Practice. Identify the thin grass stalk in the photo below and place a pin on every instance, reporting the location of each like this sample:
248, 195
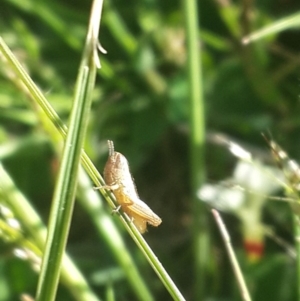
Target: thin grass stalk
65, 190
197, 141
296, 221
285, 23
234, 263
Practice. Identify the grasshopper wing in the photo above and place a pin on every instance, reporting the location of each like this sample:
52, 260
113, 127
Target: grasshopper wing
141, 210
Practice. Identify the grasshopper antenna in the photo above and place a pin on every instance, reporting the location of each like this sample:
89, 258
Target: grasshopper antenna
111, 148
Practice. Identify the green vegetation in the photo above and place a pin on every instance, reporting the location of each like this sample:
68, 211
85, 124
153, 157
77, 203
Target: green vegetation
174, 78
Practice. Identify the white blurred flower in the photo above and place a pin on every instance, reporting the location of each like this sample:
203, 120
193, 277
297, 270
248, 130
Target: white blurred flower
221, 197
255, 182
251, 182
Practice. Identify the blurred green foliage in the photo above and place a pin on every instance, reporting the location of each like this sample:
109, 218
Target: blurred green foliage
140, 103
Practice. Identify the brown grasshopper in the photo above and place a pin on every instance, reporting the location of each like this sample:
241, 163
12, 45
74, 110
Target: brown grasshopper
118, 179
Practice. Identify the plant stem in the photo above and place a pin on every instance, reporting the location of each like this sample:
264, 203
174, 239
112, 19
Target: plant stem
235, 265
197, 140
297, 244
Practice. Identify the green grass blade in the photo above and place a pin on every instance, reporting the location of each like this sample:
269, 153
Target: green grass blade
65, 190
292, 21
197, 141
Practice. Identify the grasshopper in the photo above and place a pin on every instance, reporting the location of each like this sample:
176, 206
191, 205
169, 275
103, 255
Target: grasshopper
118, 179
